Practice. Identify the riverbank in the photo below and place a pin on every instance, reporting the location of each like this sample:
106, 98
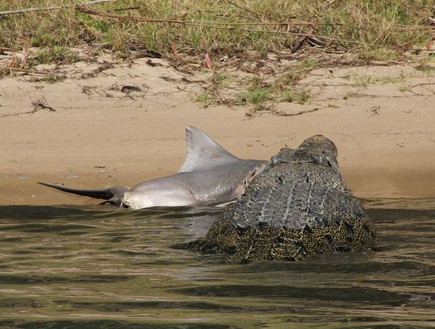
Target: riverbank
107, 123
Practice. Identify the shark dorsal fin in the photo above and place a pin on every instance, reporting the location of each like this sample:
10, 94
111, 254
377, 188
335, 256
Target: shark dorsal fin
203, 152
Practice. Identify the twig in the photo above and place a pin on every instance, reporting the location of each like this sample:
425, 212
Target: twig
6, 49
375, 110
28, 10
41, 104
37, 105
28, 71
284, 114
244, 8
128, 8
421, 85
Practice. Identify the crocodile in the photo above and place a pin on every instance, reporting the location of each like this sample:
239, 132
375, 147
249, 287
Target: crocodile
299, 206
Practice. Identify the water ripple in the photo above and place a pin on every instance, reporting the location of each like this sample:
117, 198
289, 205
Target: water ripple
64, 267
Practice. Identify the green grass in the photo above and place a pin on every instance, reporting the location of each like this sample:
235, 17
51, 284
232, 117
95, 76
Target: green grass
426, 68
255, 96
223, 79
242, 31
255, 93
365, 79
362, 79
403, 89
309, 63
203, 97
370, 29
299, 96
58, 54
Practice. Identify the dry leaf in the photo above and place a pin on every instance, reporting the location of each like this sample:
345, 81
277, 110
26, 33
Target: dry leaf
207, 61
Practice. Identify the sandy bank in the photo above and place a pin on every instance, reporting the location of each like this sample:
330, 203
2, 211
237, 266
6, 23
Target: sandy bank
102, 134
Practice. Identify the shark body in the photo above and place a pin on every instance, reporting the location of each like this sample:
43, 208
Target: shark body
210, 175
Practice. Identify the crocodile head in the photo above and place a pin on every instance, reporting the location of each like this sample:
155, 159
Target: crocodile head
317, 149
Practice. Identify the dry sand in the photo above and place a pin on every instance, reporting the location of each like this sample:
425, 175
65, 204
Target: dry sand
382, 120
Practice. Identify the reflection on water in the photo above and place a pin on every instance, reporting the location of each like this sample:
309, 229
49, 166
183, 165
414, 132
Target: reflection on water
66, 267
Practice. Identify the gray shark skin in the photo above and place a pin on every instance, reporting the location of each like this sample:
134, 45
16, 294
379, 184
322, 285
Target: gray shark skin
298, 206
210, 175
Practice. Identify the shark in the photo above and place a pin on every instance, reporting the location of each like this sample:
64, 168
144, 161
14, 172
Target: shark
210, 175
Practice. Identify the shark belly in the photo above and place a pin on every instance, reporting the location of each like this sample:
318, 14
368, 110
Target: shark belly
161, 192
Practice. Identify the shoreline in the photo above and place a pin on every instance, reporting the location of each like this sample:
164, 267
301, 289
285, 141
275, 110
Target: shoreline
99, 136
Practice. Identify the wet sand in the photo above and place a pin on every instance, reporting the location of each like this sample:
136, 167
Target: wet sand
100, 132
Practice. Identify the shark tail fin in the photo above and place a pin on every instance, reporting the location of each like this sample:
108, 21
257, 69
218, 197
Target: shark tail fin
113, 194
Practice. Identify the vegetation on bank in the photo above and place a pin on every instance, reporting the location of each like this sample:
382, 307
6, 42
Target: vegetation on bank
370, 28
367, 29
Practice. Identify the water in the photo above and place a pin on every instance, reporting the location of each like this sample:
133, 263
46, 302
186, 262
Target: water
69, 267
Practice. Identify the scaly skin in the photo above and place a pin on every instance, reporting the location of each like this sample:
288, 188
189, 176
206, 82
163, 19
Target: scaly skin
297, 207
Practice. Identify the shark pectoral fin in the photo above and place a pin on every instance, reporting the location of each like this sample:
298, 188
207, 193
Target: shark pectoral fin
118, 195
115, 201
114, 192
135, 200
249, 177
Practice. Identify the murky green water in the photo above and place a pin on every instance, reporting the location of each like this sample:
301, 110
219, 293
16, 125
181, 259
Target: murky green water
64, 267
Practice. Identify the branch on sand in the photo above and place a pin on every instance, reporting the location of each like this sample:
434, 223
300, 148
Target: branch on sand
38, 104
425, 86
284, 114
